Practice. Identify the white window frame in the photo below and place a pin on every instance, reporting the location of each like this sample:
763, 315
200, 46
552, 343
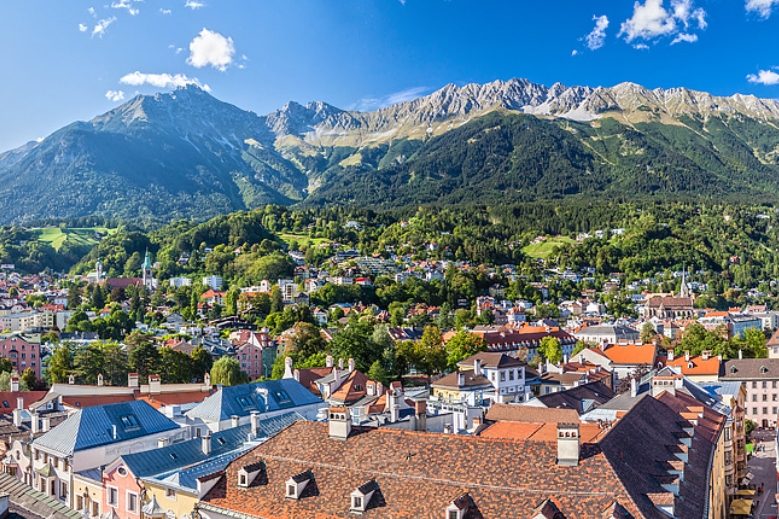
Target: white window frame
170, 494
129, 500
108, 489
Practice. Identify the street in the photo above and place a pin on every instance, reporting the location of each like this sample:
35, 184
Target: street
763, 466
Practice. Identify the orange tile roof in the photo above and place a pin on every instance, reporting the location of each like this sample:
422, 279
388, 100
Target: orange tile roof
631, 353
544, 432
709, 366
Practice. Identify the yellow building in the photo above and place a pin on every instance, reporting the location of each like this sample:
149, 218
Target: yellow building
173, 499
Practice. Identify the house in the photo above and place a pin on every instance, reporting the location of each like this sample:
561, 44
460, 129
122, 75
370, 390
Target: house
582, 398
213, 297
506, 374
22, 354
607, 334
621, 359
698, 368
525, 339
669, 307
213, 282
270, 398
772, 345
335, 470
760, 378
89, 438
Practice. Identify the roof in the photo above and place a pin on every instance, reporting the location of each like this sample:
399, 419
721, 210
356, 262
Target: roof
242, 400
31, 503
774, 340
747, 369
546, 432
607, 330
93, 426
503, 478
580, 398
696, 365
470, 381
631, 354
524, 413
351, 390
164, 399
670, 302
493, 360
8, 399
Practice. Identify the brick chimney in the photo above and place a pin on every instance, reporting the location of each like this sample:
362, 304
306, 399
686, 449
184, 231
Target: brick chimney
133, 380
568, 444
420, 410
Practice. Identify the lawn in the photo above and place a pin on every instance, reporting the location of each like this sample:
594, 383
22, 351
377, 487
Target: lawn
302, 239
544, 248
57, 237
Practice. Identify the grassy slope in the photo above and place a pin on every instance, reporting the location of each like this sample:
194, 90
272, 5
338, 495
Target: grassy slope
57, 237
544, 249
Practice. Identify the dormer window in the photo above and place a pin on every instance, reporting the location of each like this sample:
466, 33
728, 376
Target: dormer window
297, 483
361, 497
733, 369
244, 402
249, 473
763, 369
459, 507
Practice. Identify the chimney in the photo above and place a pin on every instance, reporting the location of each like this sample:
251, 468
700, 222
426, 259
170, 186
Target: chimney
687, 356
340, 363
339, 422
565, 359
155, 384
633, 387
568, 444
740, 355
393, 403
132, 380
329, 361
336, 379
207, 379
379, 389
255, 421
71, 380
99, 380
351, 365
205, 443
476, 367
162, 442
36, 425
114, 432
288, 372
420, 410
370, 388
234, 421
670, 355
45, 423
447, 428
705, 355
460, 378
14, 384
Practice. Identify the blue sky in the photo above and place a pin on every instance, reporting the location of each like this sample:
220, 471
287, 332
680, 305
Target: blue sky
63, 61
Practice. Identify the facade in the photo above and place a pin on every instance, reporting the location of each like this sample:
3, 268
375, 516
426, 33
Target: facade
22, 354
483, 378
608, 334
250, 358
669, 307
213, 282
760, 378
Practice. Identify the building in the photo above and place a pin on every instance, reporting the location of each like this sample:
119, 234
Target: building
607, 334
698, 368
484, 378
526, 339
179, 282
623, 360
269, 399
215, 283
333, 470
582, 399
668, 307
760, 378
22, 354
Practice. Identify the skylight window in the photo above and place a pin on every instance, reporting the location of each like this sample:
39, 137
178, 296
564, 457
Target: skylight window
282, 397
245, 402
129, 421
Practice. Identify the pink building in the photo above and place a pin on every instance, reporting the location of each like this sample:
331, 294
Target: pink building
250, 357
760, 378
22, 354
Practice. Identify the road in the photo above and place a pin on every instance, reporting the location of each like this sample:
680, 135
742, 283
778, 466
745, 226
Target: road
763, 466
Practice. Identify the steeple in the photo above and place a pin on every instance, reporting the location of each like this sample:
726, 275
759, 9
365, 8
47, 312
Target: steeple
148, 279
147, 260
99, 270
684, 291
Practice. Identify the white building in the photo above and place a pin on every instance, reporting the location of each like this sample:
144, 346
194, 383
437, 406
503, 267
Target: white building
213, 282
179, 282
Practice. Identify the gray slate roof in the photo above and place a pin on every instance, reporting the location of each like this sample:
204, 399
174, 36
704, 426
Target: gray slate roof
242, 400
93, 426
748, 369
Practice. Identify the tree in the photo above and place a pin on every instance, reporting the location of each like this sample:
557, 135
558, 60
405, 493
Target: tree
378, 373
32, 382
74, 296
5, 381
276, 300
430, 352
227, 372
648, 333
202, 362
580, 346
461, 346
59, 365
145, 360
749, 426
177, 367
550, 349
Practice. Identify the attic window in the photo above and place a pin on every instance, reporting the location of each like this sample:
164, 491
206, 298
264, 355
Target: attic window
242, 480
129, 421
173, 456
5, 403
690, 365
282, 397
733, 369
245, 402
763, 369
221, 440
291, 491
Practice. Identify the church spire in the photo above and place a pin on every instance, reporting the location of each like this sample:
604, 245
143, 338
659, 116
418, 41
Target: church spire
684, 291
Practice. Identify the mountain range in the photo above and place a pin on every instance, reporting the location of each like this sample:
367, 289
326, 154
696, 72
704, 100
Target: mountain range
185, 154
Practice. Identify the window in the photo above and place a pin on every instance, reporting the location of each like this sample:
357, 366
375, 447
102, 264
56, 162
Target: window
502, 376
729, 480
63, 490
291, 490
727, 433
453, 514
754, 384
132, 502
754, 410
511, 374
773, 384
773, 410
765, 384
356, 502
122, 471
113, 496
754, 398
728, 457
245, 402
765, 397
129, 421
242, 480
775, 397
170, 493
765, 410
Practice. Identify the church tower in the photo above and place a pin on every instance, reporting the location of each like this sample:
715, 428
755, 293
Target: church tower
148, 279
99, 271
684, 291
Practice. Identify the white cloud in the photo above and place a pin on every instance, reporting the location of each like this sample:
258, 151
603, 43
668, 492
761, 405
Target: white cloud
102, 25
574, 52
165, 11
641, 46
125, 4
193, 4
762, 7
114, 95
161, 80
211, 48
374, 103
764, 77
597, 36
651, 20
91, 11
689, 38
82, 27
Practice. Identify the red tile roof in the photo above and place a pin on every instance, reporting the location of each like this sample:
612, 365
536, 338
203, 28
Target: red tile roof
631, 353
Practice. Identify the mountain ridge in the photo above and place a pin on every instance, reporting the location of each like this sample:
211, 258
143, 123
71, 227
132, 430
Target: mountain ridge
186, 154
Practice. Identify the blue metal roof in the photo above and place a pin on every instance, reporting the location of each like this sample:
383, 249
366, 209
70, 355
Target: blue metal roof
94, 426
242, 400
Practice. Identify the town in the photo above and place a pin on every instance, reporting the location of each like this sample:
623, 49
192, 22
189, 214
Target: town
180, 396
